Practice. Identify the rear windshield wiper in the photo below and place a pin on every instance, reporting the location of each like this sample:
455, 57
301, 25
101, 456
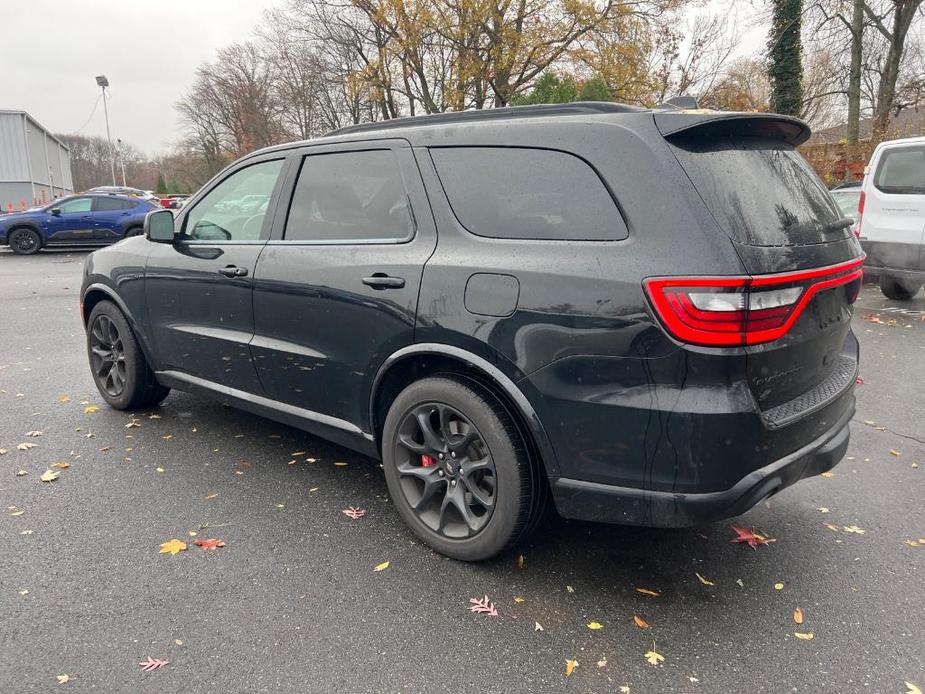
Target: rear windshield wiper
837, 225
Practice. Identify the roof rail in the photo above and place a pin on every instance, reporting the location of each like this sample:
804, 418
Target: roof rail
570, 109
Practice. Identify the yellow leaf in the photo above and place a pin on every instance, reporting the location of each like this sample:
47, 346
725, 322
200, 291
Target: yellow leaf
518, 599
63, 679
49, 476
296, 454
624, 690
340, 463
3, 451
26, 446
594, 626
798, 616
602, 662
654, 658
17, 513
646, 591
179, 642
381, 567
520, 561
822, 509
173, 546
90, 409
570, 666
807, 636
828, 474
211, 496
192, 533
912, 689
704, 581
894, 452
832, 527
61, 465
314, 489
570, 589
640, 622
22, 473
779, 585
64, 398
159, 469
854, 529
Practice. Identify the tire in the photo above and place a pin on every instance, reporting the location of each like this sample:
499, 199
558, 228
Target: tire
119, 368
133, 231
899, 289
24, 241
428, 492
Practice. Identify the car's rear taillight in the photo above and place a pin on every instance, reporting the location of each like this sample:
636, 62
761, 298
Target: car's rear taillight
746, 310
857, 224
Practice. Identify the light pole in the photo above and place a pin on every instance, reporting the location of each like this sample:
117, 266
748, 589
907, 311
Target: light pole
103, 83
121, 161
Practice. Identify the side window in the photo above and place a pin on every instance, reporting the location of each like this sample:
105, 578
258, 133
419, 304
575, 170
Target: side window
76, 205
902, 171
234, 209
349, 196
525, 193
110, 205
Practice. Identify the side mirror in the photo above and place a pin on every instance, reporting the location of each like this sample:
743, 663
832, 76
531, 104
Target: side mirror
159, 226
56, 211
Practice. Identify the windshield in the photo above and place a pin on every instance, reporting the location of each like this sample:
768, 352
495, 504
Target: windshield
761, 192
902, 171
847, 201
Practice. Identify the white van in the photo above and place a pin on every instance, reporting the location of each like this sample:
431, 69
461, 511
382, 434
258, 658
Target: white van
891, 217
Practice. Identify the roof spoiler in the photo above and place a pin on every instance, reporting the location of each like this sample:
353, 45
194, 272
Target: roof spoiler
707, 123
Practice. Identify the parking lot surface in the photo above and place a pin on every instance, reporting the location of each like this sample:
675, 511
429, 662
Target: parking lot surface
292, 601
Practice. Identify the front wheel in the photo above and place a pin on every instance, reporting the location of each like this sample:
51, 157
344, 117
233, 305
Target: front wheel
118, 365
458, 469
24, 241
897, 288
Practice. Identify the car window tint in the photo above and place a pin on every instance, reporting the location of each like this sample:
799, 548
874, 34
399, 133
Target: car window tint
75, 205
902, 171
349, 196
847, 201
111, 204
234, 209
523, 193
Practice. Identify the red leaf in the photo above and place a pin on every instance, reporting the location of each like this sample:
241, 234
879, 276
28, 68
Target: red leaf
483, 606
211, 543
354, 512
859, 380
750, 537
152, 664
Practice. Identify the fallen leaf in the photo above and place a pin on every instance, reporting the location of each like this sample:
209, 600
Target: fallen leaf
26, 532
832, 527
167, 437
828, 475
90, 409
624, 690
354, 512
105, 448
24, 591
179, 642
518, 599
292, 462
340, 463
192, 533
570, 589
17, 513
296, 454
64, 398
3, 451
537, 626
854, 529
779, 585
654, 658
133, 424
314, 489
798, 616
211, 543
26, 446
750, 537
61, 465
49, 476
381, 567
594, 626
703, 580
822, 509
152, 664
159, 469
570, 666
640, 622
602, 662
63, 679
211, 496
911, 688
173, 546
739, 581
21, 473
33, 434
280, 505
520, 561
646, 591
804, 636
483, 606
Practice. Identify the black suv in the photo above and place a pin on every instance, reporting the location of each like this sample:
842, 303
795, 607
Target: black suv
645, 313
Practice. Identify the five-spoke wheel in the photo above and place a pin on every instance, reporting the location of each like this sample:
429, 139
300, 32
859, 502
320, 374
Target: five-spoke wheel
107, 355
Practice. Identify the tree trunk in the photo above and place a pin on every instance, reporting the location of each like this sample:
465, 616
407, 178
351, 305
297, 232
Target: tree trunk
854, 73
903, 14
785, 61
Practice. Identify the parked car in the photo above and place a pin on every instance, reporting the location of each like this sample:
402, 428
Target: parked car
847, 196
645, 313
125, 190
891, 218
82, 220
173, 202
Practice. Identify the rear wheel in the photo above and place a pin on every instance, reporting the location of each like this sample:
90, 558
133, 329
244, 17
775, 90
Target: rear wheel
119, 368
133, 231
24, 241
898, 288
458, 469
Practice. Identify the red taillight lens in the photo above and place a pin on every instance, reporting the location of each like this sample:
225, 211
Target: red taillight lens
734, 311
857, 224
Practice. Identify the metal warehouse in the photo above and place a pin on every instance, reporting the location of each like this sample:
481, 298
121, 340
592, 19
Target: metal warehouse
35, 166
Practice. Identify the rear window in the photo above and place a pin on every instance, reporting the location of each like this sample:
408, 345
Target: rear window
847, 201
761, 192
111, 204
524, 193
902, 171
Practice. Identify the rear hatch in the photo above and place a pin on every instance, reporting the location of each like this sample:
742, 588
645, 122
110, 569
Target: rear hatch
798, 250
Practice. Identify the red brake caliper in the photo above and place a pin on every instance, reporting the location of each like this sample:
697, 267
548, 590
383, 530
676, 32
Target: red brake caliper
427, 461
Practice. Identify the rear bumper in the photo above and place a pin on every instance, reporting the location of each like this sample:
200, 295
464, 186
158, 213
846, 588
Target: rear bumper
904, 260
606, 503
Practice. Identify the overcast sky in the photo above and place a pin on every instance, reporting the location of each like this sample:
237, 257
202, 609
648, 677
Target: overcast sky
51, 50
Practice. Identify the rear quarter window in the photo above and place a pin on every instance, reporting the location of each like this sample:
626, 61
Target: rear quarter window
527, 193
902, 171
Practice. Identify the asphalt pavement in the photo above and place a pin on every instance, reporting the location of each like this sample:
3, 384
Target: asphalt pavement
292, 602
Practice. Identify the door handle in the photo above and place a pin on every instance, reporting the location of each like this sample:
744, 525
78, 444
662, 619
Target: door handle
383, 281
233, 271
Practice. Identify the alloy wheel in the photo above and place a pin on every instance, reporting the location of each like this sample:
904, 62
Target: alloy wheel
107, 355
446, 471
22, 241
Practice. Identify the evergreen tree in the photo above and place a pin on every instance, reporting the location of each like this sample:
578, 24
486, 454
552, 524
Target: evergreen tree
785, 61
161, 187
549, 89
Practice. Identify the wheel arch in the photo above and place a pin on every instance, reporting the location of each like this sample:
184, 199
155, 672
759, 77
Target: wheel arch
31, 226
97, 292
421, 360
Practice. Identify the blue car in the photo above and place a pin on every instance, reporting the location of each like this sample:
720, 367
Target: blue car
79, 220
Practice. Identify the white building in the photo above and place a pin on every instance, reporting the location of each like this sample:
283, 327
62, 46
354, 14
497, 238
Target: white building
35, 167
